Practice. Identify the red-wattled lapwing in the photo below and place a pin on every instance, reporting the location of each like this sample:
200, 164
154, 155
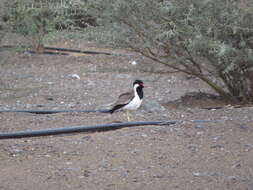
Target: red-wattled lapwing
130, 100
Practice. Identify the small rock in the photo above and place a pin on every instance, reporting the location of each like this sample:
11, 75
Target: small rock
153, 106
248, 147
237, 165
199, 126
75, 76
231, 177
87, 138
197, 174
144, 135
204, 174
18, 151
216, 138
134, 63
193, 147
104, 164
243, 127
50, 98
217, 146
200, 133
27, 53
86, 173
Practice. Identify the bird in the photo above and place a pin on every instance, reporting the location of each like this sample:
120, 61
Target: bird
130, 100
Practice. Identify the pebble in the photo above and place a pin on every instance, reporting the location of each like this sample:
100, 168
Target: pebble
216, 138
217, 146
75, 76
204, 174
134, 63
200, 133
248, 147
244, 127
199, 126
153, 106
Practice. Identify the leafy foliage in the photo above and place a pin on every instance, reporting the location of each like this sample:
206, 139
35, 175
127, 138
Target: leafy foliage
35, 19
31, 20
210, 39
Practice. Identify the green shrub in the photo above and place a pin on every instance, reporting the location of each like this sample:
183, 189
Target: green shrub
210, 39
35, 19
31, 20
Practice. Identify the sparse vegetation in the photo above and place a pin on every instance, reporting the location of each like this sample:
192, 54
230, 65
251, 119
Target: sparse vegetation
36, 19
210, 146
31, 20
210, 39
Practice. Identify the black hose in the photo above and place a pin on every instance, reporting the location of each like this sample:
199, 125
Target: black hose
91, 128
76, 129
77, 51
60, 51
47, 52
54, 111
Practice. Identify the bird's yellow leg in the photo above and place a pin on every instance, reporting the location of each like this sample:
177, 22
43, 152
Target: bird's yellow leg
128, 116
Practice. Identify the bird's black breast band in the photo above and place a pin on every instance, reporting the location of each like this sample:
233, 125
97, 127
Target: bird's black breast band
140, 92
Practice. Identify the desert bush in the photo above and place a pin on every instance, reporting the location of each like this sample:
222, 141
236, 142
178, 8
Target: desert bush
31, 20
36, 19
210, 39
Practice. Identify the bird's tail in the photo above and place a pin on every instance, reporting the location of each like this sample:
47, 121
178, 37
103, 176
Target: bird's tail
111, 111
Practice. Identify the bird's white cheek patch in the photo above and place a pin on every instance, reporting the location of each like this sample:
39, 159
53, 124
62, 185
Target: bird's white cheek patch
134, 104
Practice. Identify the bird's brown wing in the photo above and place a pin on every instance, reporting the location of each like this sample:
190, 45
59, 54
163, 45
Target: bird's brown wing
125, 98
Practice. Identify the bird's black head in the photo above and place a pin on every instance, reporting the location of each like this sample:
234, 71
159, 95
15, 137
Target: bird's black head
139, 82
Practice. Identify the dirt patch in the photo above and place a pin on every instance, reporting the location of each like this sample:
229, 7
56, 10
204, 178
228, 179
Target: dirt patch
188, 155
197, 100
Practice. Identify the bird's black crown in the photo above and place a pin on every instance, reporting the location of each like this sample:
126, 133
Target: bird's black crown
138, 82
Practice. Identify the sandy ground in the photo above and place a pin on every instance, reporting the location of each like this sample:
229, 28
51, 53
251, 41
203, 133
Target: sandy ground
188, 155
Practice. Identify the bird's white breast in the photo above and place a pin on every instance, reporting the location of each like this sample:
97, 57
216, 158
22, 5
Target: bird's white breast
134, 104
